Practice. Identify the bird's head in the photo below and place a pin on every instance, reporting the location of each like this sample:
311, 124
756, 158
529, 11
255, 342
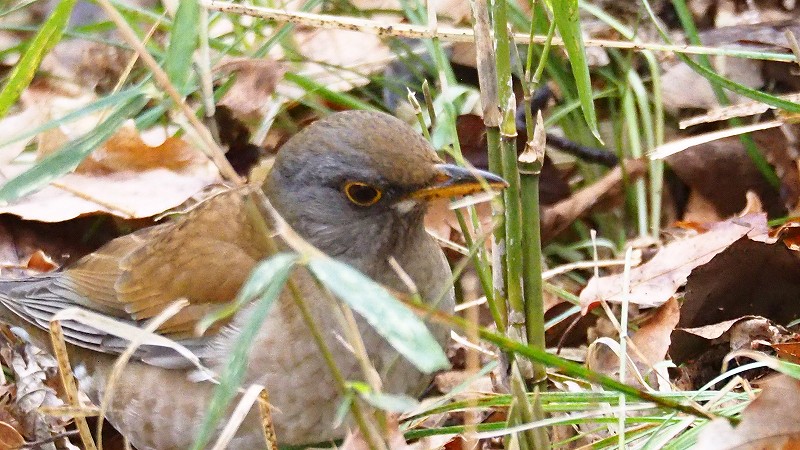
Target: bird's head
356, 181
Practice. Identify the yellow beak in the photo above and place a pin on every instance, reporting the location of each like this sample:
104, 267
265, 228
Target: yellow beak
456, 181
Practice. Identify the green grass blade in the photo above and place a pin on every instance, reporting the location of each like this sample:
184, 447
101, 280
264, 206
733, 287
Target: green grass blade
184, 39
565, 14
703, 67
47, 37
741, 89
391, 319
398, 403
338, 98
265, 284
70, 155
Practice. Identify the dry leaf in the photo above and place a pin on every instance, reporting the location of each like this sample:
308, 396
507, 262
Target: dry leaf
10, 438
789, 233
722, 172
340, 60
750, 277
738, 334
32, 371
788, 351
128, 151
656, 281
650, 344
91, 65
768, 422
445, 382
126, 177
10, 127
652, 339
39, 104
256, 80
675, 80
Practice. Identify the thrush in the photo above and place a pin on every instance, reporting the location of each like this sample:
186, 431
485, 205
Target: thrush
356, 185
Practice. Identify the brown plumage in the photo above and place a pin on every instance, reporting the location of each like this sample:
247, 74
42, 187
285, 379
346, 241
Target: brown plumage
355, 185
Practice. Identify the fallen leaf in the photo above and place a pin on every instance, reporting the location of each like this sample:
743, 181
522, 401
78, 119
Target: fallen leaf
736, 334
765, 36
126, 177
788, 351
722, 173
256, 80
447, 381
789, 233
749, 277
127, 150
652, 339
95, 66
38, 104
10, 438
340, 60
40, 262
656, 281
768, 422
699, 210
33, 371
650, 344
675, 79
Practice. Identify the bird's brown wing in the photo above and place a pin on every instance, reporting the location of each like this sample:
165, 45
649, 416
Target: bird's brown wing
203, 256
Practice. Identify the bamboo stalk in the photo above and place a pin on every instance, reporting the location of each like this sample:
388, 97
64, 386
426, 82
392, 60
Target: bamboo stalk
530, 165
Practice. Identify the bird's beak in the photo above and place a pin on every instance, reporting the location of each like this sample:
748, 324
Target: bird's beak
456, 181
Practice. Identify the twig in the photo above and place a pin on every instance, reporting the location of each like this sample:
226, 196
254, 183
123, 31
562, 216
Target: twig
68, 382
450, 34
210, 148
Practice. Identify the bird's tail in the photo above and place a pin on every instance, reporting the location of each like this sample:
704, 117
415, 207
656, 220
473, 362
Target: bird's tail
29, 301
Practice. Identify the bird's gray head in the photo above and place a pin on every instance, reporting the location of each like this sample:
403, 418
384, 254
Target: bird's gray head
357, 182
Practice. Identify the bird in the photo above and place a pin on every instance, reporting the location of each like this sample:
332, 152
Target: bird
355, 185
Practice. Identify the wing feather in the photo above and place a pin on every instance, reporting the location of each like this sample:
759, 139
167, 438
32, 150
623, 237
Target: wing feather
203, 256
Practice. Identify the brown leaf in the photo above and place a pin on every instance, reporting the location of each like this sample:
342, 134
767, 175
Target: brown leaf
338, 59
128, 151
747, 278
788, 351
656, 281
38, 104
701, 95
722, 173
10, 438
32, 371
447, 381
650, 344
738, 334
91, 65
652, 339
789, 233
126, 177
256, 80
768, 422
40, 262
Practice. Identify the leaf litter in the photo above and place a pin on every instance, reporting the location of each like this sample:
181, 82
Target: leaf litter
727, 282
658, 280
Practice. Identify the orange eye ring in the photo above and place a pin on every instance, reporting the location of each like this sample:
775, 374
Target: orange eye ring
362, 194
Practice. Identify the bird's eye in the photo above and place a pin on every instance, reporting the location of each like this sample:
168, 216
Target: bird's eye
362, 194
